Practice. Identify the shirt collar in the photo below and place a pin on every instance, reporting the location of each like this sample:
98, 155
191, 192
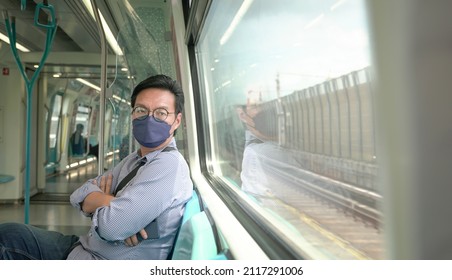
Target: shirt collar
153, 154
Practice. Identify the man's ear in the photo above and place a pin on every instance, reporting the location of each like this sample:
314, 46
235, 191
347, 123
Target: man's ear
177, 121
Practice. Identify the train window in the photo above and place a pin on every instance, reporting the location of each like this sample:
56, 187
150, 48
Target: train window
288, 93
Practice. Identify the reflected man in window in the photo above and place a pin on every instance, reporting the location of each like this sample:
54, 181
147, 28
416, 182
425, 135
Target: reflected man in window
261, 131
263, 158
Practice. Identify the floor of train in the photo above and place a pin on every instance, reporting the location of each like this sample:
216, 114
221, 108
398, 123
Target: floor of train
50, 209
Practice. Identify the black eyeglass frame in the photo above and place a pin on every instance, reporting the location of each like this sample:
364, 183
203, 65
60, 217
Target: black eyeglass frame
146, 113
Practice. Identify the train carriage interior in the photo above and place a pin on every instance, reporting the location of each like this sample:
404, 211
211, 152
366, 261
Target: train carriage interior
312, 129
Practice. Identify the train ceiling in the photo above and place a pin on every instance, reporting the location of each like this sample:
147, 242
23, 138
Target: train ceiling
76, 48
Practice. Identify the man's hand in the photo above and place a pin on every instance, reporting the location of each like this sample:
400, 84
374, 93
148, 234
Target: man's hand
105, 183
105, 186
104, 199
97, 199
133, 240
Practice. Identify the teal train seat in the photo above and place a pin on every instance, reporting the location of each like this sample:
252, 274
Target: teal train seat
192, 207
6, 178
196, 240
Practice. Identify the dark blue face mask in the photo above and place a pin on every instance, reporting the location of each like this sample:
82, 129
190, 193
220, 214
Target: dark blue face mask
149, 132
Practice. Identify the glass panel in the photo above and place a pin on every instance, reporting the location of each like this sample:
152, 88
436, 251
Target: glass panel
78, 140
284, 129
145, 38
55, 121
53, 129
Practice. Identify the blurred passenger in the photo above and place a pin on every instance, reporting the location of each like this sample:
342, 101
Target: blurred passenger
78, 142
133, 216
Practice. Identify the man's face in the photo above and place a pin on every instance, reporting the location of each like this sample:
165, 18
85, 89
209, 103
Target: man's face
153, 99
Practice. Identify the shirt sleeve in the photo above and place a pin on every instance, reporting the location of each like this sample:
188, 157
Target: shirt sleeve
79, 195
153, 190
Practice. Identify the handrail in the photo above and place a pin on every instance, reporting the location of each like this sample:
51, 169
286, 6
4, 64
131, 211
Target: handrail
11, 30
113, 128
46, 161
103, 86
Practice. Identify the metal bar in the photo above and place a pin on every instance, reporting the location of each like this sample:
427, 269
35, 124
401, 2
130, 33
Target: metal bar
302, 119
346, 83
305, 96
317, 91
330, 114
113, 128
338, 117
360, 114
312, 97
295, 131
11, 30
103, 87
372, 108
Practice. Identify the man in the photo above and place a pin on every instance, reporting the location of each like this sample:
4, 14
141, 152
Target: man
140, 220
78, 141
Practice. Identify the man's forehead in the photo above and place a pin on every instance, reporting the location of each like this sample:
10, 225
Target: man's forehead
156, 97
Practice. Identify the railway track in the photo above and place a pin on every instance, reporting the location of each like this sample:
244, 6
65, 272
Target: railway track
339, 217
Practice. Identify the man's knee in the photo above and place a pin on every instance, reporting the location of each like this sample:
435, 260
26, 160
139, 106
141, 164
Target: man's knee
13, 238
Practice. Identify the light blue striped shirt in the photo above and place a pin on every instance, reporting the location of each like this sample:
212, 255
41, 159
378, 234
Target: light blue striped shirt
154, 199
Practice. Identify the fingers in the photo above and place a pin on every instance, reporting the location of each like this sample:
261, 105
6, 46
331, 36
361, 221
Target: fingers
143, 234
108, 183
128, 242
105, 183
102, 183
132, 241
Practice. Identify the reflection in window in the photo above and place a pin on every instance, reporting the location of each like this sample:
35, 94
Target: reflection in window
288, 90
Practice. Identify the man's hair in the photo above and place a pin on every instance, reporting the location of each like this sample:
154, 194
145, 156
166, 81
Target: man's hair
161, 82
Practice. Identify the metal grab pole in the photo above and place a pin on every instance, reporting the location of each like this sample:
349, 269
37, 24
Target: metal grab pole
11, 30
103, 87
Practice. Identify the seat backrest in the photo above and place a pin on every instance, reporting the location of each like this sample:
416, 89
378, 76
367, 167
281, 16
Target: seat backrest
191, 208
6, 178
196, 240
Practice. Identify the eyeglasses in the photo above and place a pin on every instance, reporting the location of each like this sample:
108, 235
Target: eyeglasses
159, 114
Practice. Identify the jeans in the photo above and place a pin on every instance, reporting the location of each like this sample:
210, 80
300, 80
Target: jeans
25, 242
